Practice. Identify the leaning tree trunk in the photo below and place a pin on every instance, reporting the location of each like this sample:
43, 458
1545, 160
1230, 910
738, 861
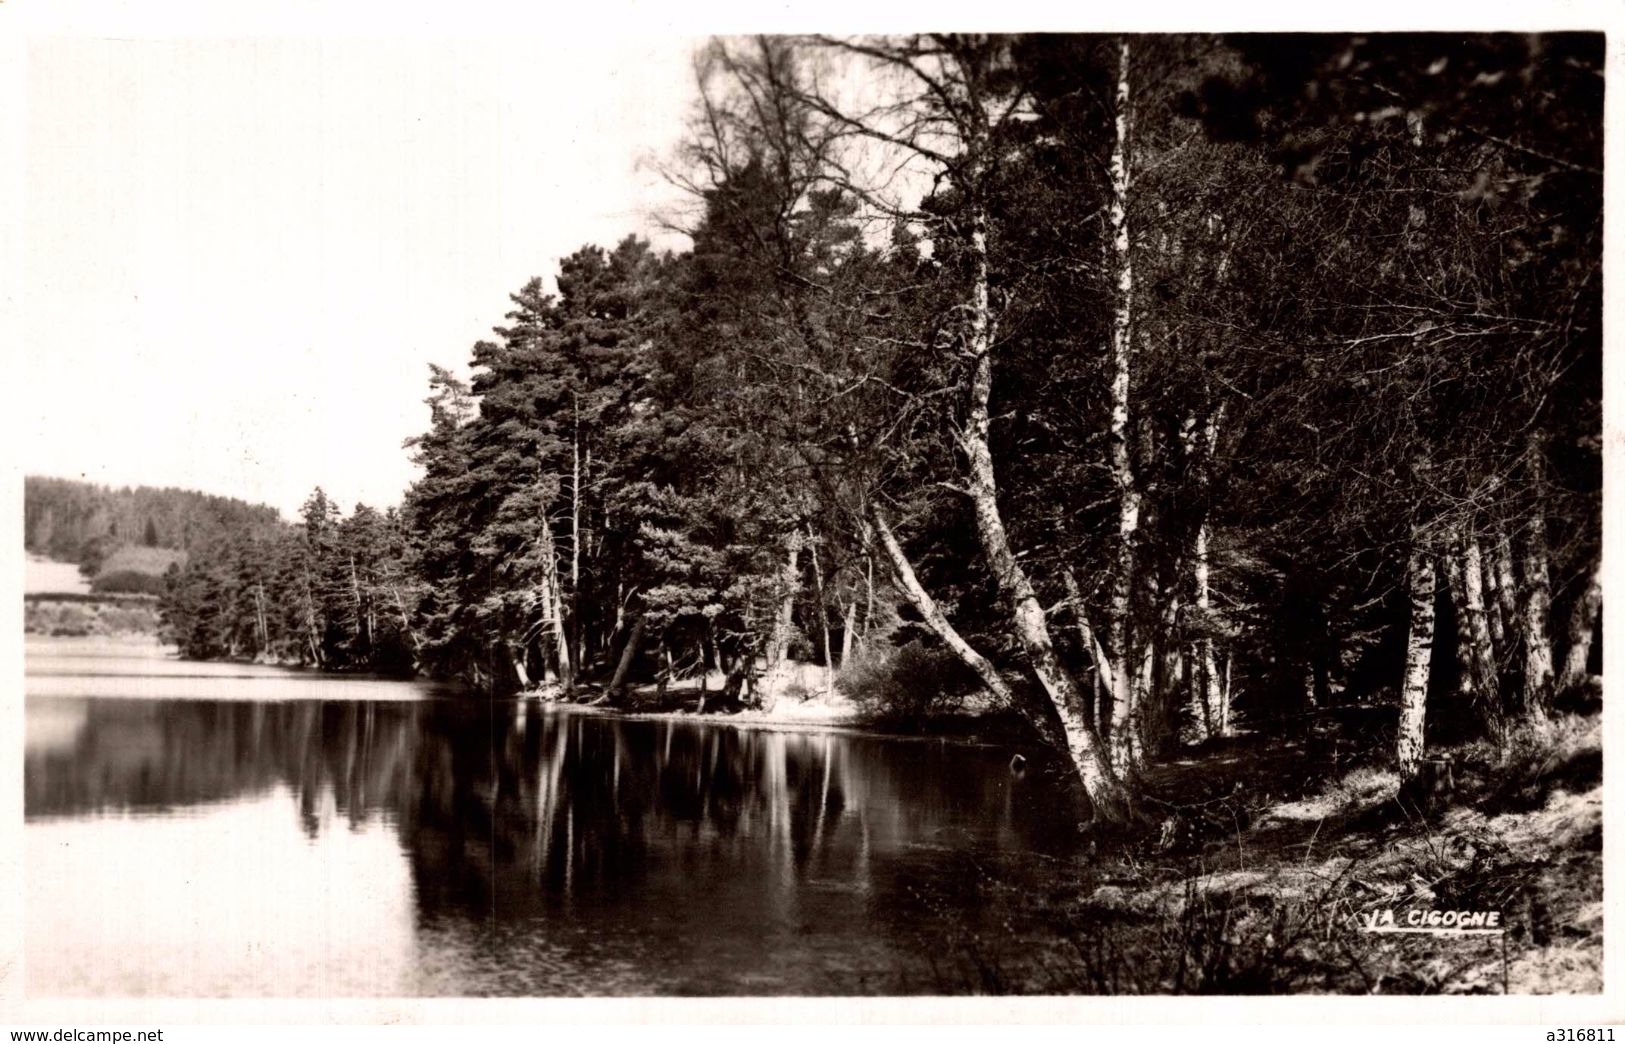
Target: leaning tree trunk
629, 652
1418, 661
1090, 640
1105, 789
935, 619
516, 657
263, 629
406, 619
1583, 620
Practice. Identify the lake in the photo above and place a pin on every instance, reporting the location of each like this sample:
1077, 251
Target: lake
233, 831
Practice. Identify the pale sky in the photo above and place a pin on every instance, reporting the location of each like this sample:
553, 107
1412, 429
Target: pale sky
240, 255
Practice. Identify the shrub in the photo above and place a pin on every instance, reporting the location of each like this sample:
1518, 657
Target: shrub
139, 620
73, 621
128, 581
909, 681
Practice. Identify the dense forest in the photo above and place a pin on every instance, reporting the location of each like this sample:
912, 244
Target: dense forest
84, 523
1152, 386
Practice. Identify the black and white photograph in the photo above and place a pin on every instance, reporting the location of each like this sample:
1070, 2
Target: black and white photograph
666, 510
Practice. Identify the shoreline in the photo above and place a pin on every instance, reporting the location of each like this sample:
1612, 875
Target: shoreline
772, 721
814, 715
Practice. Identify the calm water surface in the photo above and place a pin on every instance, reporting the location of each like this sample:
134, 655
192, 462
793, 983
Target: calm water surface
213, 830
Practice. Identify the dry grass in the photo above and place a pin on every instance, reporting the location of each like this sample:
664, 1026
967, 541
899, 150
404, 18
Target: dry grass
1355, 791
133, 558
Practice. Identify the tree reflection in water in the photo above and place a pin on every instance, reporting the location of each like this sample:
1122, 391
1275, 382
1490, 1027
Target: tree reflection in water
555, 852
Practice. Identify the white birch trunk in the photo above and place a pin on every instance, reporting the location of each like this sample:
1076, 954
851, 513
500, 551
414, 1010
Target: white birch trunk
778, 643
1196, 700
406, 618
868, 593
823, 615
1086, 633
1100, 781
1418, 662
934, 618
1538, 674
1212, 692
1467, 689
1206, 666
849, 623
1506, 594
1486, 678
1490, 585
550, 675
575, 540
1128, 492
553, 603
259, 617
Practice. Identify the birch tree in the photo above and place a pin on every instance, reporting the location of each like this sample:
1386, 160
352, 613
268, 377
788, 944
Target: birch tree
950, 108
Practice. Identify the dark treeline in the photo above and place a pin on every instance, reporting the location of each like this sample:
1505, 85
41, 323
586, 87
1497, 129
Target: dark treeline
329, 591
1155, 383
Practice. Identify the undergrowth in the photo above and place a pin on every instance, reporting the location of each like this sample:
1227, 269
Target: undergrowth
1277, 905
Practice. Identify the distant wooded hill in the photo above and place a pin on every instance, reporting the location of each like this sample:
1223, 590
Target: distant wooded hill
140, 529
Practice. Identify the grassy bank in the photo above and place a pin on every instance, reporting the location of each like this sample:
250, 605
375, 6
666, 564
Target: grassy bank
1262, 874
